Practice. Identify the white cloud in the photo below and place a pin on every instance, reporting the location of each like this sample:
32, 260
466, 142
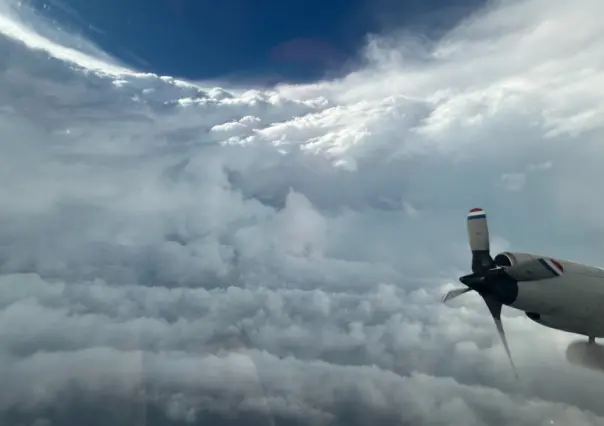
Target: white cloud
513, 181
144, 224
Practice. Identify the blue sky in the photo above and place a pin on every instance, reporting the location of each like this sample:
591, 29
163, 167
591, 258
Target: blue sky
262, 41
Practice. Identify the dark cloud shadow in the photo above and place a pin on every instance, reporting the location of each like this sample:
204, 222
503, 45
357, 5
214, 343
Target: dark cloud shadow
586, 355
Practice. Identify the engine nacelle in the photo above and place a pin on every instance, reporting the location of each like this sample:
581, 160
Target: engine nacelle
508, 258
528, 267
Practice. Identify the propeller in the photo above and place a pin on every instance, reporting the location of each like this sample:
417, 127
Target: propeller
491, 282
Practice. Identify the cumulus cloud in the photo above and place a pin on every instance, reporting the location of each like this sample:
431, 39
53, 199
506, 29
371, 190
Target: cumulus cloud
176, 253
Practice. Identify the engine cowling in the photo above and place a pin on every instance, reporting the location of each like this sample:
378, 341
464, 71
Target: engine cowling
510, 258
528, 267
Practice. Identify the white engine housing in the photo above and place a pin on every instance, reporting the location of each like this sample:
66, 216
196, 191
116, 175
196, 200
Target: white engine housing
529, 267
509, 258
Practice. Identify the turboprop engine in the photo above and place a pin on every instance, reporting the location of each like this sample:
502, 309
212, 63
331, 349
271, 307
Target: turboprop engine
510, 258
496, 279
527, 266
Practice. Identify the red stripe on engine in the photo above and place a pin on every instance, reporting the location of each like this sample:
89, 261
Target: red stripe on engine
557, 264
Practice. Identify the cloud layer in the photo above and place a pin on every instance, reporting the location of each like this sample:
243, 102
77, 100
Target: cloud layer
171, 252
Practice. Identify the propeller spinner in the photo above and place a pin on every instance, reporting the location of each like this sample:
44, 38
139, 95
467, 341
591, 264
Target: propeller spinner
489, 281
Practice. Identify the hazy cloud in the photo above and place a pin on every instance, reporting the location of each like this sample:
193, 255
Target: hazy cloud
174, 252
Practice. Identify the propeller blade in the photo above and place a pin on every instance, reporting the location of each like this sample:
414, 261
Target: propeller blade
478, 236
454, 293
478, 230
495, 309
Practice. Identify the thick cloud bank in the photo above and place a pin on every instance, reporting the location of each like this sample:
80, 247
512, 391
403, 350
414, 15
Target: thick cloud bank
174, 255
